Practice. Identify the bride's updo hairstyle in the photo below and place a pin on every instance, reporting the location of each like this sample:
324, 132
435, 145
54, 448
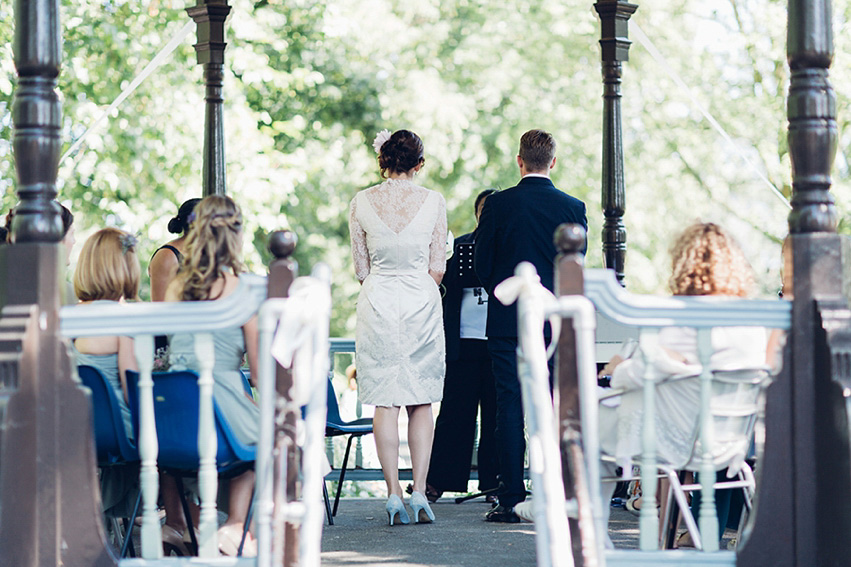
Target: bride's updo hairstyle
401, 153
213, 244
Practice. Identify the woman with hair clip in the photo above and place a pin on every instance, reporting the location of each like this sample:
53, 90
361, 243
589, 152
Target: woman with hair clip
107, 272
209, 272
398, 235
166, 258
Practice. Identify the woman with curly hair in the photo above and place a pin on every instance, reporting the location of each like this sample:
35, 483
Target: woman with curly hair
209, 272
706, 260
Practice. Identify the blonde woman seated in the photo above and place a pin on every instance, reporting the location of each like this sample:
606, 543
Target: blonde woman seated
705, 261
108, 272
208, 272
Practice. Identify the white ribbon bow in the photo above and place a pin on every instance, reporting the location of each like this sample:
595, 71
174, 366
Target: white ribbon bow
309, 302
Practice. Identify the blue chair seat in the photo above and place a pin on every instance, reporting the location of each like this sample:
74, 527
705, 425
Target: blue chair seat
176, 403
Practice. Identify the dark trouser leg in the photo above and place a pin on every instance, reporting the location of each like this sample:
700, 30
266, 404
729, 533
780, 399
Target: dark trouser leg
488, 462
722, 502
509, 420
455, 429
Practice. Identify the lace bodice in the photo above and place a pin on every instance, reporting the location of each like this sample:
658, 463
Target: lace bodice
396, 202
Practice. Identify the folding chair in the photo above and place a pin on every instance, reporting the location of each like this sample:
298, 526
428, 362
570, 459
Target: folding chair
735, 405
334, 427
114, 448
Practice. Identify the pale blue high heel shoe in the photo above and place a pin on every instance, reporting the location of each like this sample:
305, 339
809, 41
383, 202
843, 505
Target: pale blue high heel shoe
422, 511
395, 507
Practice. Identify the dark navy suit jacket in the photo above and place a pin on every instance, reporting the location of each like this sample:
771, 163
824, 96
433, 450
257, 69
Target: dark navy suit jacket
518, 224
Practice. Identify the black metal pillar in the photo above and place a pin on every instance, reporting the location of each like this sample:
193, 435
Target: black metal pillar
805, 485
614, 44
211, 16
50, 505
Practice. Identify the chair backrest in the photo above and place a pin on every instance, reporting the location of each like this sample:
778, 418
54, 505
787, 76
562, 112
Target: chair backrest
176, 403
113, 445
333, 415
735, 405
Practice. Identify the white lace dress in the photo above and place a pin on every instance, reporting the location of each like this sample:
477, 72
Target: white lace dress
398, 233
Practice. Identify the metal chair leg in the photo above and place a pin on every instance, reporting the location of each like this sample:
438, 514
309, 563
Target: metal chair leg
342, 475
248, 517
327, 504
128, 532
185, 504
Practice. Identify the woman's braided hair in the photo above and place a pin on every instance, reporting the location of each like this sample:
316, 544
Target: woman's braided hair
213, 244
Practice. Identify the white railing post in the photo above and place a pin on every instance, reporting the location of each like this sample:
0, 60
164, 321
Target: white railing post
648, 519
152, 546
318, 302
208, 480
708, 520
552, 534
264, 503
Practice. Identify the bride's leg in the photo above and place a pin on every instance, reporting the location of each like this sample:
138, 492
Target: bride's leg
420, 436
385, 429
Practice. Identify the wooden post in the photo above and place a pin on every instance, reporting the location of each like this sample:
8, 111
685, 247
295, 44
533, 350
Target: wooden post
51, 512
805, 488
570, 241
614, 44
282, 272
210, 16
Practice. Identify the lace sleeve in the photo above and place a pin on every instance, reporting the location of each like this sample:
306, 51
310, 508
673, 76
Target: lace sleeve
360, 254
437, 248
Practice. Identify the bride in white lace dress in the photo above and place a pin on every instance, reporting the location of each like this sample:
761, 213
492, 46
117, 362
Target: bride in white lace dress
398, 232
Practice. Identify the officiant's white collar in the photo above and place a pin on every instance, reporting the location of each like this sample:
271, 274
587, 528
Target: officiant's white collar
535, 175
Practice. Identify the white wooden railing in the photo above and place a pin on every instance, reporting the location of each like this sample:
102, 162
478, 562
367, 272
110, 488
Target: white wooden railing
301, 323
603, 293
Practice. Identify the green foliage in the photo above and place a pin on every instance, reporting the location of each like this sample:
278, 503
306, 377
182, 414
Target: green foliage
310, 82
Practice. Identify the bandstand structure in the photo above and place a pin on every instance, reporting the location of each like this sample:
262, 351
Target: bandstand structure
49, 512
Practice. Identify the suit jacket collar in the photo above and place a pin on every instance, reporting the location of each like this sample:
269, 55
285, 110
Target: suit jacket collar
539, 181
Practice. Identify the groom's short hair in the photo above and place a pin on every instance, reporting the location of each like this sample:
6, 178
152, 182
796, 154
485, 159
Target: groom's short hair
537, 150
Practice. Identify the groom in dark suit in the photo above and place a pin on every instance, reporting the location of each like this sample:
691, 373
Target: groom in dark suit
517, 225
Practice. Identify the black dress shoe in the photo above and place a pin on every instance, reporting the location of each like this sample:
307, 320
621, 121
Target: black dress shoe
502, 514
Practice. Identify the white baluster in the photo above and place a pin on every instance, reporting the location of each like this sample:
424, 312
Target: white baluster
552, 535
708, 520
648, 520
316, 380
207, 447
264, 500
152, 547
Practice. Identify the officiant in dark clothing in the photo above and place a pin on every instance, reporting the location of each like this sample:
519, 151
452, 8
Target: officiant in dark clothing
518, 225
469, 382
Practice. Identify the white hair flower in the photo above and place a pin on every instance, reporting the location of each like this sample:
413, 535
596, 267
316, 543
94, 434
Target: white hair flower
380, 138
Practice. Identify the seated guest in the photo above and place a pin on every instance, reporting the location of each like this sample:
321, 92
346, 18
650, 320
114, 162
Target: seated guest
209, 272
166, 259
108, 272
705, 261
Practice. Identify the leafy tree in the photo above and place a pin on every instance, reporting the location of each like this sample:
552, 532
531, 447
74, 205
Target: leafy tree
310, 82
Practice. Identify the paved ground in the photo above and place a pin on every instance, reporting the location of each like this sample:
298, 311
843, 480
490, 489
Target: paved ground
459, 537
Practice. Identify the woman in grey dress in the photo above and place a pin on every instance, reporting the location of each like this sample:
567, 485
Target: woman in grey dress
108, 272
208, 272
